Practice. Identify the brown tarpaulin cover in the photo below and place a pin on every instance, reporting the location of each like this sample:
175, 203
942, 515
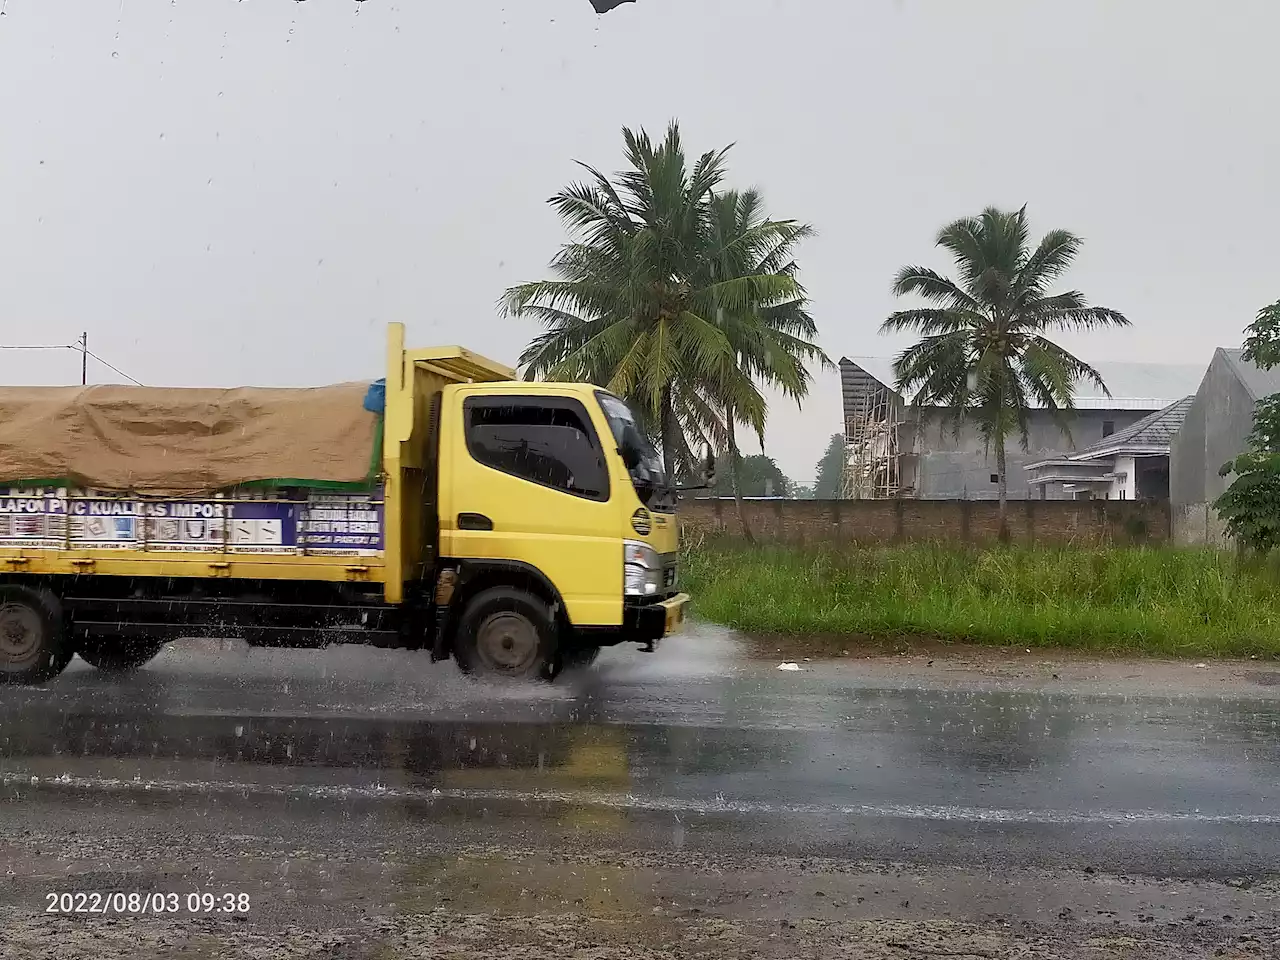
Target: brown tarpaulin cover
160, 440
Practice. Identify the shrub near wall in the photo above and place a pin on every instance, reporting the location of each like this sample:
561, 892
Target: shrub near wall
1045, 522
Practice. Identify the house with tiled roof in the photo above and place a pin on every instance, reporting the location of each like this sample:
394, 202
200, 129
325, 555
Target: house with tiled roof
1129, 464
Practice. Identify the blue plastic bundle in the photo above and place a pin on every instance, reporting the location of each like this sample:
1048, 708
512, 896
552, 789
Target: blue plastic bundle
375, 401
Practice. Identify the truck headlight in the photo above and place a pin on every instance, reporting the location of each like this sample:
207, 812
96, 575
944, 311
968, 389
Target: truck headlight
642, 570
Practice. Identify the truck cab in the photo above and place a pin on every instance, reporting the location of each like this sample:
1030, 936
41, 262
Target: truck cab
535, 489
553, 492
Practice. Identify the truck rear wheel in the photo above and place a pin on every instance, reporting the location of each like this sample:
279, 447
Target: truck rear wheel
506, 633
33, 645
118, 655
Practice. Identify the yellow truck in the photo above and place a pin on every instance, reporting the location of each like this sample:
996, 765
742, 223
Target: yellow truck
515, 527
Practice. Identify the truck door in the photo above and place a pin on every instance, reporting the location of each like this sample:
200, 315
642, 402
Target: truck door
528, 482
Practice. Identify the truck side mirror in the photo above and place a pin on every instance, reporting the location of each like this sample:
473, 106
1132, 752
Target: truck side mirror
630, 458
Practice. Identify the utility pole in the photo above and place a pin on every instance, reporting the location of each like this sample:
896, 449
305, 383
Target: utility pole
84, 358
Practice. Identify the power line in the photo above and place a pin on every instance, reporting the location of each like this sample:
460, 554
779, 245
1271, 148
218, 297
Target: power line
80, 348
112, 367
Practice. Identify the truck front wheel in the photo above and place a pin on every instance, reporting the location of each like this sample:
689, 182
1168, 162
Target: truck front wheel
118, 655
506, 633
33, 645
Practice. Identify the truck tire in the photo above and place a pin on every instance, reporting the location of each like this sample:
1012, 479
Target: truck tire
33, 643
507, 634
118, 655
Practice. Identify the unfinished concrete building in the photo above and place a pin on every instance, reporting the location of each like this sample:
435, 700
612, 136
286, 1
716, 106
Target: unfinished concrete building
872, 417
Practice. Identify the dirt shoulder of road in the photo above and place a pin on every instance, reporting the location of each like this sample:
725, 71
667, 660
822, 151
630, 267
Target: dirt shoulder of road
340, 896
488, 936
924, 661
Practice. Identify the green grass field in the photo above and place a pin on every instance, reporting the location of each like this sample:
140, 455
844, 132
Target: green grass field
1138, 600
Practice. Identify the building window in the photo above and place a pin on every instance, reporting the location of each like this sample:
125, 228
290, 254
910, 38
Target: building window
1108, 427
995, 478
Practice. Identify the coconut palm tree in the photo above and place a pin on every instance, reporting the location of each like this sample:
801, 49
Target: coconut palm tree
985, 352
648, 301
772, 342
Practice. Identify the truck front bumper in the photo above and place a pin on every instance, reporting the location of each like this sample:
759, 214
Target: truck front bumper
650, 622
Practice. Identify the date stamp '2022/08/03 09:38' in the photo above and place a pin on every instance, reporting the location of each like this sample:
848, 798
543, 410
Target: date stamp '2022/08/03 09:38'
144, 902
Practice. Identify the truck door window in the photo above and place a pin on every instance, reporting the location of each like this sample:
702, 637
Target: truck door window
548, 442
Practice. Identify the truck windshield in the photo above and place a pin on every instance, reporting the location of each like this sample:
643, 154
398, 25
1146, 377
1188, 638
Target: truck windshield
643, 463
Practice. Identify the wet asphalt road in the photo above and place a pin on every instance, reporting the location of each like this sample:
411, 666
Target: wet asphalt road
694, 749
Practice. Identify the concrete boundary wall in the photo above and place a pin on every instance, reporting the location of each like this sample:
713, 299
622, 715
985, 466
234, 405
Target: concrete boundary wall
1084, 522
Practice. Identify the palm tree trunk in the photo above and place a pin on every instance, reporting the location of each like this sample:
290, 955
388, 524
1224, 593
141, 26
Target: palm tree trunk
667, 425
735, 461
1002, 486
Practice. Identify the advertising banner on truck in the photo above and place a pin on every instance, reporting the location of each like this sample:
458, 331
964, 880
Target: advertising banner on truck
321, 524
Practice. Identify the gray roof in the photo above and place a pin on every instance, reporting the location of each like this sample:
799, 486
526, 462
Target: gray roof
1150, 436
1154, 430
1133, 386
1165, 382
1260, 383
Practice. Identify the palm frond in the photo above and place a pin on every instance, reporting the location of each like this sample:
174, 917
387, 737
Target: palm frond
928, 321
1074, 368
1050, 381
1070, 300
576, 296
934, 287
1082, 318
610, 192
936, 369
1051, 259
588, 211
1005, 238
790, 316
962, 239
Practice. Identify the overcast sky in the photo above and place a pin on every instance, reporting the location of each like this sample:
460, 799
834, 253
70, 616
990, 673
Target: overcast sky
231, 192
